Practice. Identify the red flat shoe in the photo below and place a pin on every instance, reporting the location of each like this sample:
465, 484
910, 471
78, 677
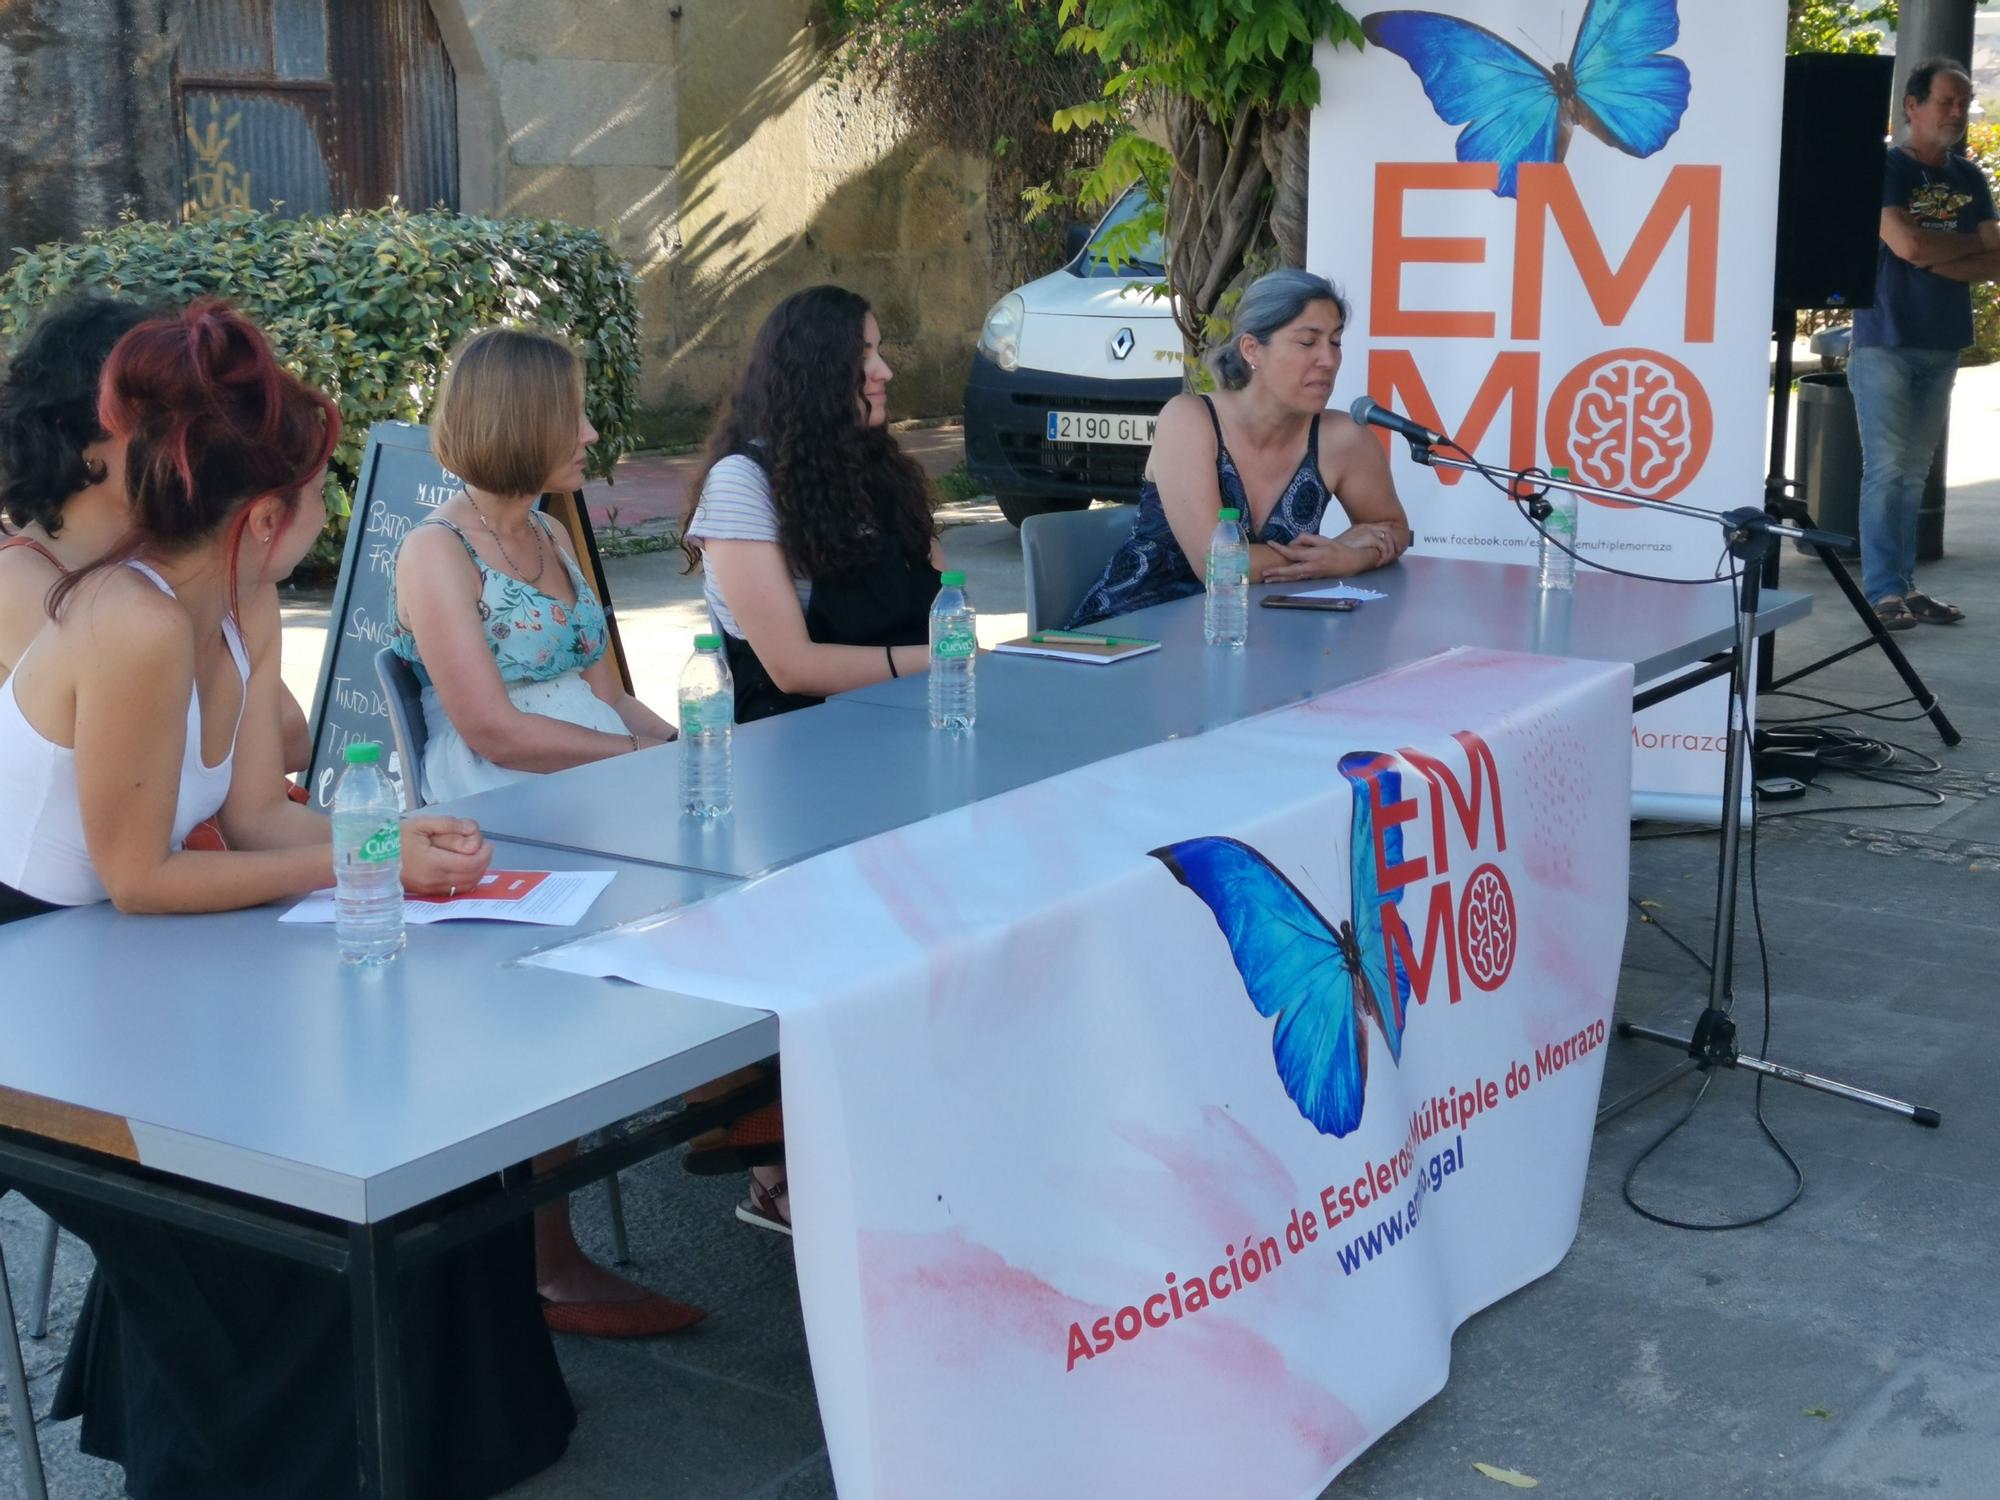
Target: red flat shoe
753, 1140
640, 1318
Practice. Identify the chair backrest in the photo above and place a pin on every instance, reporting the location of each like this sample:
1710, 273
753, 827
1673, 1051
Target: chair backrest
1062, 554
406, 721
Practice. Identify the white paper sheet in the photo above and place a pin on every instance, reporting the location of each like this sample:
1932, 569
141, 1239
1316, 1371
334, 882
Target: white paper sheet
544, 898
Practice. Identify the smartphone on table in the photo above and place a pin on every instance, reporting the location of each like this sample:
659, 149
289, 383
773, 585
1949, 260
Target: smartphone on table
1307, 601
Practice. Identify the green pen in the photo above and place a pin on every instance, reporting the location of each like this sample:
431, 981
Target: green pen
1065, 637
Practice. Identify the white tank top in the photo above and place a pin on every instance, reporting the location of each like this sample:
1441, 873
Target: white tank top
42, 852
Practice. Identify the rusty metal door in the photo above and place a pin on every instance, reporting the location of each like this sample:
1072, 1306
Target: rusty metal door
308, 106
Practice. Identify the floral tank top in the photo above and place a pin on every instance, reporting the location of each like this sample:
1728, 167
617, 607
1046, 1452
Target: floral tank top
533, 636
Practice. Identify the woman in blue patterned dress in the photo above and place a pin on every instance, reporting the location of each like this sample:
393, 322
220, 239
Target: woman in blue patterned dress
488, 604
1266, 444
505, 633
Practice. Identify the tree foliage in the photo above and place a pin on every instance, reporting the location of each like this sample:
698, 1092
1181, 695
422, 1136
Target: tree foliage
985, 77
1234, 83
1982, 144
1838, 25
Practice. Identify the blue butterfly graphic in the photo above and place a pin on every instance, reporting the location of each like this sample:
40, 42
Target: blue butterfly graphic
1317, 979
1616, 85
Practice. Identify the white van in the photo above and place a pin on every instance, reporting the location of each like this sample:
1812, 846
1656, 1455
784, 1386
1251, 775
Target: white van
1069, 377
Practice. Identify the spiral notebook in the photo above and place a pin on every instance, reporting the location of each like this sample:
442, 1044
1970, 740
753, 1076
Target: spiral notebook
1071, 645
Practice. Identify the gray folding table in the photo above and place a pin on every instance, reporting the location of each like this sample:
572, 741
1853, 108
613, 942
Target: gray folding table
224, 1073
867, 761
227, 1074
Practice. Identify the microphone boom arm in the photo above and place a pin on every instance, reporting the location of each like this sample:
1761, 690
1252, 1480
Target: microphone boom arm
1516, 481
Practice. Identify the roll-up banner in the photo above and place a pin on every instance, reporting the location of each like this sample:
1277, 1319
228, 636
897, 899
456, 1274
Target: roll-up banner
1556, 225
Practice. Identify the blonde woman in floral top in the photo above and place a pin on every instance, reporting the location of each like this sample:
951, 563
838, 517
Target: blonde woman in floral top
490, 607
492, 611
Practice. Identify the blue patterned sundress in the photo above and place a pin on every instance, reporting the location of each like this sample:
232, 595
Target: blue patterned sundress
1149, 567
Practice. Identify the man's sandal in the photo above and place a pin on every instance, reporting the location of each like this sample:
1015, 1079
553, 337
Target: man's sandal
1894, 614
1932, 611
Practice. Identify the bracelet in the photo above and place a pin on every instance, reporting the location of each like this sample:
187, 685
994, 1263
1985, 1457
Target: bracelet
889, 652
634, 739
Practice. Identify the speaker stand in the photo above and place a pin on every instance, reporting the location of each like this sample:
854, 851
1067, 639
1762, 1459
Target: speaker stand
1781, 504
1712, 1043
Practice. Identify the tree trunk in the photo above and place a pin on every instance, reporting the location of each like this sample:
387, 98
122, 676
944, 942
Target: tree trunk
1928, 29
1287, 149
1238, 198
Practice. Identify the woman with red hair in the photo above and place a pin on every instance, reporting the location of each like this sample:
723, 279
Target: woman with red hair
205, 1369
224, 456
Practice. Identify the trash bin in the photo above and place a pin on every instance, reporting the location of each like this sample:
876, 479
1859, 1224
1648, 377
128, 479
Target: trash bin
1828, 458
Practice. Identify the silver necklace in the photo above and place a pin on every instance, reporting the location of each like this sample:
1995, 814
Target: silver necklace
541, 548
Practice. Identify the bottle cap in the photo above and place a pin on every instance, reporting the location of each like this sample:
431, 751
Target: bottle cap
1229, 513
362, 753
708, 643
1559, 472
952, 580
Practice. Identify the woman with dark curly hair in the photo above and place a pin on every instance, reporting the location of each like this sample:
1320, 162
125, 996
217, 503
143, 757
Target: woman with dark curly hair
62, 476
62, 487
821, 561
813, 527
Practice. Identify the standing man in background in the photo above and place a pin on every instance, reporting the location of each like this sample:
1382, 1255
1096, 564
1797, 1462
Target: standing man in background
1939, 235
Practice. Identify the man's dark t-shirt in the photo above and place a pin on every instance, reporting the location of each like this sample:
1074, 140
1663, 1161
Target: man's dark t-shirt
1915, 309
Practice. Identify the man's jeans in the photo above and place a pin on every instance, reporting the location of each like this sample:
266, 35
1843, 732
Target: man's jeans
1902, 397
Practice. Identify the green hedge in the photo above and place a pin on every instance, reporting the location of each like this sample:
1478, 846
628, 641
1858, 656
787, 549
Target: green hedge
1982, 144
366, 305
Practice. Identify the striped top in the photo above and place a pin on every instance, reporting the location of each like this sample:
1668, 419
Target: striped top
736, 506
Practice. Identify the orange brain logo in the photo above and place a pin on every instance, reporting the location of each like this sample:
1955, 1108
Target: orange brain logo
1630, 419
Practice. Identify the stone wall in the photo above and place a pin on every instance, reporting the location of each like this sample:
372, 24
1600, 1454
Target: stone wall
86, 116
707, 139
704, 136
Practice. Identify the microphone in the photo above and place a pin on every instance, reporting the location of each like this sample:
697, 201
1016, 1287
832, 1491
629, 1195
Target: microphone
1371, 413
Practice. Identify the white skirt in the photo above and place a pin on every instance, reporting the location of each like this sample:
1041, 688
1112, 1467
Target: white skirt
451, 767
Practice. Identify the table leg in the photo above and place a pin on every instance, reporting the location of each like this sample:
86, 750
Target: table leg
20, 1412
378, 1363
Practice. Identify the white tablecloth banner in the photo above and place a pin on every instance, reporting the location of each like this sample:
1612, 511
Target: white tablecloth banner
1069, 1220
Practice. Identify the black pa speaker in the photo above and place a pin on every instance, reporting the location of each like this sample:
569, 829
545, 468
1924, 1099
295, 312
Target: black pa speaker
1830, 179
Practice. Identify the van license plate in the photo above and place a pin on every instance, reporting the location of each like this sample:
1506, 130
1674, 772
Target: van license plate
1130, 428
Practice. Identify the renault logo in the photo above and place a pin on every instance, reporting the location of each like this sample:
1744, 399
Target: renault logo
1122, 343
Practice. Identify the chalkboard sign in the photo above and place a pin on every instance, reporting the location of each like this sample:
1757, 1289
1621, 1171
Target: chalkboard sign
401, 483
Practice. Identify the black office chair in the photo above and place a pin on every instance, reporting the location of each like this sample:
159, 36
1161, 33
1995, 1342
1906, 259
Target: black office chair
406, 722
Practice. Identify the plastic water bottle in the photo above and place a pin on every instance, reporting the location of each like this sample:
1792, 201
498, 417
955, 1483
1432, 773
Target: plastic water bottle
367, 859
954, 648
1225, 619
1558, 569
708, 718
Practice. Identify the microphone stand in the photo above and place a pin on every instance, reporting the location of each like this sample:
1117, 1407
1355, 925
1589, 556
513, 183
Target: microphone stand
1751, 536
